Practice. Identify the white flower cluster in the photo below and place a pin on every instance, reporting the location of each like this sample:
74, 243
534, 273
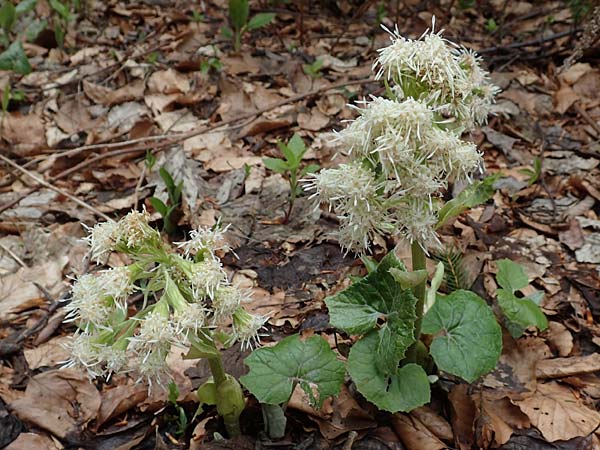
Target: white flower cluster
404, 151
440, 73
184, 295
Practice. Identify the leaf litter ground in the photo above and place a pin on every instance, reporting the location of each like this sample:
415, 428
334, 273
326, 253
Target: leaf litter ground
130, 82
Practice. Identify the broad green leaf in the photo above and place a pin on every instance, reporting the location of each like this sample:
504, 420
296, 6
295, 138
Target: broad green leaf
8, 14
227, 32
521, 312
297, 146
201, 347
511, 275
167, 178
207, 393
469, 340
14, 58
173, 392
311, 168
374, 298
34, 29
369, 262
62, 9
276, 165
409, 280
238, 13
404, 391
275, 370
260, 20
476, 194
24, 6
159, 206
436, 282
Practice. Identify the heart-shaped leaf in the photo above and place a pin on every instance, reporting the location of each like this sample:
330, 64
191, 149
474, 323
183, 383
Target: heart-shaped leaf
469, 340
274, 371
405, 390
378, 299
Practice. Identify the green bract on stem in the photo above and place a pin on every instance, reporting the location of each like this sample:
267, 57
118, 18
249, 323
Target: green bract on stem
187, 302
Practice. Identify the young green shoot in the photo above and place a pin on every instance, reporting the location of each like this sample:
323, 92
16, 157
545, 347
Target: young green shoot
290, 167
173, 203
239, 12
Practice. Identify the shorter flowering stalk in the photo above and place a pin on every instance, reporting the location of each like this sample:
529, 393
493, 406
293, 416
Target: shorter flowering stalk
230, 397
419, 261
188, 302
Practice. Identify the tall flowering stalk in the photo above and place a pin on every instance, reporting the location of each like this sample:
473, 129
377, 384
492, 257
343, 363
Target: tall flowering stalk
404, 149
186, 299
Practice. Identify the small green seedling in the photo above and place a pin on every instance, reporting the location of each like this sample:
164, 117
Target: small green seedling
533, 173
211, 63
174, 202
314, 69
181, 417
239, 12
289, 167
64, 17
9, 95
197, 17
491, 25
520, 312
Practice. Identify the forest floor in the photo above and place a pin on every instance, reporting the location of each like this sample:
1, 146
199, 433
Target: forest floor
157, 76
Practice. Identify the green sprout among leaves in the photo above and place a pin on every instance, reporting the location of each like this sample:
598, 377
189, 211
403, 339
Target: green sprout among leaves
289, 167
534, 173
314, 69
213, 63
239, 12
174, 201
181, 417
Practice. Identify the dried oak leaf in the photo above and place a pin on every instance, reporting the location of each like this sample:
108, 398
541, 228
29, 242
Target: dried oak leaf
59, 401
558, 413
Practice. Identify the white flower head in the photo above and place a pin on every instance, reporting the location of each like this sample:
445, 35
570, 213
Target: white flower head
206, 277
88, 305
441, 73
102, 239
247, 328
205, 239
226, 301
193, 318
84, 353
134, 230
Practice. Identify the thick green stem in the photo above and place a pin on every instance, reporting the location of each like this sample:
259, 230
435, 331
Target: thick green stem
419, 262
230, 398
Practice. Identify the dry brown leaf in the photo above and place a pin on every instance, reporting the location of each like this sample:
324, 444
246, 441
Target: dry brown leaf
496, 419
314, 120
59, 401
415, 435
119, 399
108, 97
346, 415
18, 291
168, 82
25, 133
558, 413
33, 441
565, 367
434, 422
463, 416
559, 338
49, 353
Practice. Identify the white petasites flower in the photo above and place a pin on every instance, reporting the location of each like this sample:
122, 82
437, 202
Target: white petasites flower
134, 230
151, 345
226, 301
88, 304
84, 353
417, 220
204, 238
247, 328
117, 284
102, 239
193, 317
206, 277
434, 69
